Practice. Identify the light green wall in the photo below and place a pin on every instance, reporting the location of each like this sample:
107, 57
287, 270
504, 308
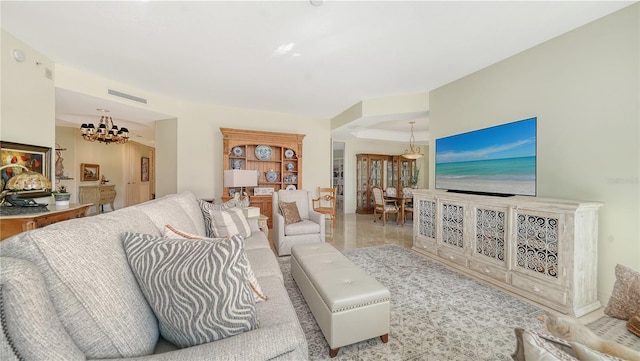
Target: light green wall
27, 96
584, 88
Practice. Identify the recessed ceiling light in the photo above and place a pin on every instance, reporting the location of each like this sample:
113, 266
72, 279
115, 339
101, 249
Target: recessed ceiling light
103, 110
284, 48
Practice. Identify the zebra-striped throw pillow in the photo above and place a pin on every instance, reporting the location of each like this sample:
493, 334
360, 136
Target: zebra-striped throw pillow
171, 232
198, 290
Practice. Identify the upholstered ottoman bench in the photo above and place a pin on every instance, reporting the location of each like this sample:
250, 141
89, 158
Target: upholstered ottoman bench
349, 305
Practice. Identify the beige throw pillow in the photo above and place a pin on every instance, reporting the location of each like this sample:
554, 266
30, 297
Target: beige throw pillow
290, 212
625, 297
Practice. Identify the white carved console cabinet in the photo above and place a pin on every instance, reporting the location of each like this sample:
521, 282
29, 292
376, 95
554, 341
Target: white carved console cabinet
545, 250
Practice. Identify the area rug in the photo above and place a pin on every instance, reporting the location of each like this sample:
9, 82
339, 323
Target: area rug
436, 314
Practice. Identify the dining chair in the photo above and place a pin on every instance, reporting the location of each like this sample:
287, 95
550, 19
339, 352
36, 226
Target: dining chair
326, 203
391, 192
383, 206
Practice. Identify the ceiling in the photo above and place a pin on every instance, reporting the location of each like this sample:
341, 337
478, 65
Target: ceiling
284, 56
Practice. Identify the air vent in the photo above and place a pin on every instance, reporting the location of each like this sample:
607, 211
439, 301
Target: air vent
127, 96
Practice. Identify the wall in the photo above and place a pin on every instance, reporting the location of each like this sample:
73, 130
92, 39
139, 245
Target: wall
194, 161
27, 96
584, 88
357, 146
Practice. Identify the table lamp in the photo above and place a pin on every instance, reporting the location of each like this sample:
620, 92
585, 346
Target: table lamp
26, 180
240, 178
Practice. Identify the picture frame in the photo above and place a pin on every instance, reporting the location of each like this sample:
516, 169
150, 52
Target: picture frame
35, 158
89, 172
144, 169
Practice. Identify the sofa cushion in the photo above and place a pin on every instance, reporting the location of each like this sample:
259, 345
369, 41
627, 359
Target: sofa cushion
259, 296
180, 209
197, 289
229, 222
539, 349
290, 212
90, 282
28, 316
205, 210
584, 353
550, 340
625, 297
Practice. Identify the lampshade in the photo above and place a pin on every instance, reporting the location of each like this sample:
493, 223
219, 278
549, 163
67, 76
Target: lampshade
240, 178
27, 180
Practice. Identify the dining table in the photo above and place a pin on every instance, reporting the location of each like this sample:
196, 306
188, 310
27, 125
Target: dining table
400, 200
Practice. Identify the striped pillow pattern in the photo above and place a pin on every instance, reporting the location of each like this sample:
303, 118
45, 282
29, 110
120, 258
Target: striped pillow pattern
171, 232
206, 208
229, 222
198, 290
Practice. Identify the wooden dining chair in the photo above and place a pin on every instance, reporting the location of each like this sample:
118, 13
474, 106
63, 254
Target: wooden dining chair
326, 203
382, 206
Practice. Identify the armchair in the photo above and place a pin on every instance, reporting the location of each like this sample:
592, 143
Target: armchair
310, 229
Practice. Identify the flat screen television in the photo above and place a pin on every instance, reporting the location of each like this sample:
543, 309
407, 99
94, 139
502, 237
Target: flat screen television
499, 160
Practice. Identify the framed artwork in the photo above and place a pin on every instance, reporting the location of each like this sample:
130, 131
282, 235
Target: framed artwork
144, 169
33, 157
89, 172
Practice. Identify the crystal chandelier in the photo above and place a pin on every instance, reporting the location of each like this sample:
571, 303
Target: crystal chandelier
106, 132
413, 152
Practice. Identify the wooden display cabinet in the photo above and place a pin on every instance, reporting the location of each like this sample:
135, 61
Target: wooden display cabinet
370, 171
263, 152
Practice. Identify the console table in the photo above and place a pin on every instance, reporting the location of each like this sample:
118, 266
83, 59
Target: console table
98, 195
11, 225
545, 250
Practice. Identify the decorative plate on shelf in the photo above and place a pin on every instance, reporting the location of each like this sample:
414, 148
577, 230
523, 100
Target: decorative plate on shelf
271, 175
289, 153
291, 187
263, 152
237, 151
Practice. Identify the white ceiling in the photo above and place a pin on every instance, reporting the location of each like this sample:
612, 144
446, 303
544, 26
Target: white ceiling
285, 56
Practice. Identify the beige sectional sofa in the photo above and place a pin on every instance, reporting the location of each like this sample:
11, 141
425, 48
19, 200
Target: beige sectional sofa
67, 292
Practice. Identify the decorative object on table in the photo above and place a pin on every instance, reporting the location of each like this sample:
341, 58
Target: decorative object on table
263, 152
289, 153
61, 196
271, 175
106, 133
291, 187
240, 178
232, 192
104, 180
413, 152
144, 169
290, 167
236, 164
250, 212
35, 159
59, 159
263, 191
23, 182
237, 151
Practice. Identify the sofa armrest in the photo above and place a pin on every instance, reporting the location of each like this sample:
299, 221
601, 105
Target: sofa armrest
259, 344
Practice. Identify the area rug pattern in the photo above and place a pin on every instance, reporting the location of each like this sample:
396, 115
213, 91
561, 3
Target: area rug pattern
436, 314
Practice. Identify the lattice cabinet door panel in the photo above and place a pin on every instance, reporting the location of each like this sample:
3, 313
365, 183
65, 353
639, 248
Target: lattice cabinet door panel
452, 225
490, 234
425, 227
537, 250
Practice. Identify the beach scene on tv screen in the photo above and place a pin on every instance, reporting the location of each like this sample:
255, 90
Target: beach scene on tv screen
500, 159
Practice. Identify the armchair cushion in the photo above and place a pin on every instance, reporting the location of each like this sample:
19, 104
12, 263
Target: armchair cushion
302, 227
290, 212
198, 290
